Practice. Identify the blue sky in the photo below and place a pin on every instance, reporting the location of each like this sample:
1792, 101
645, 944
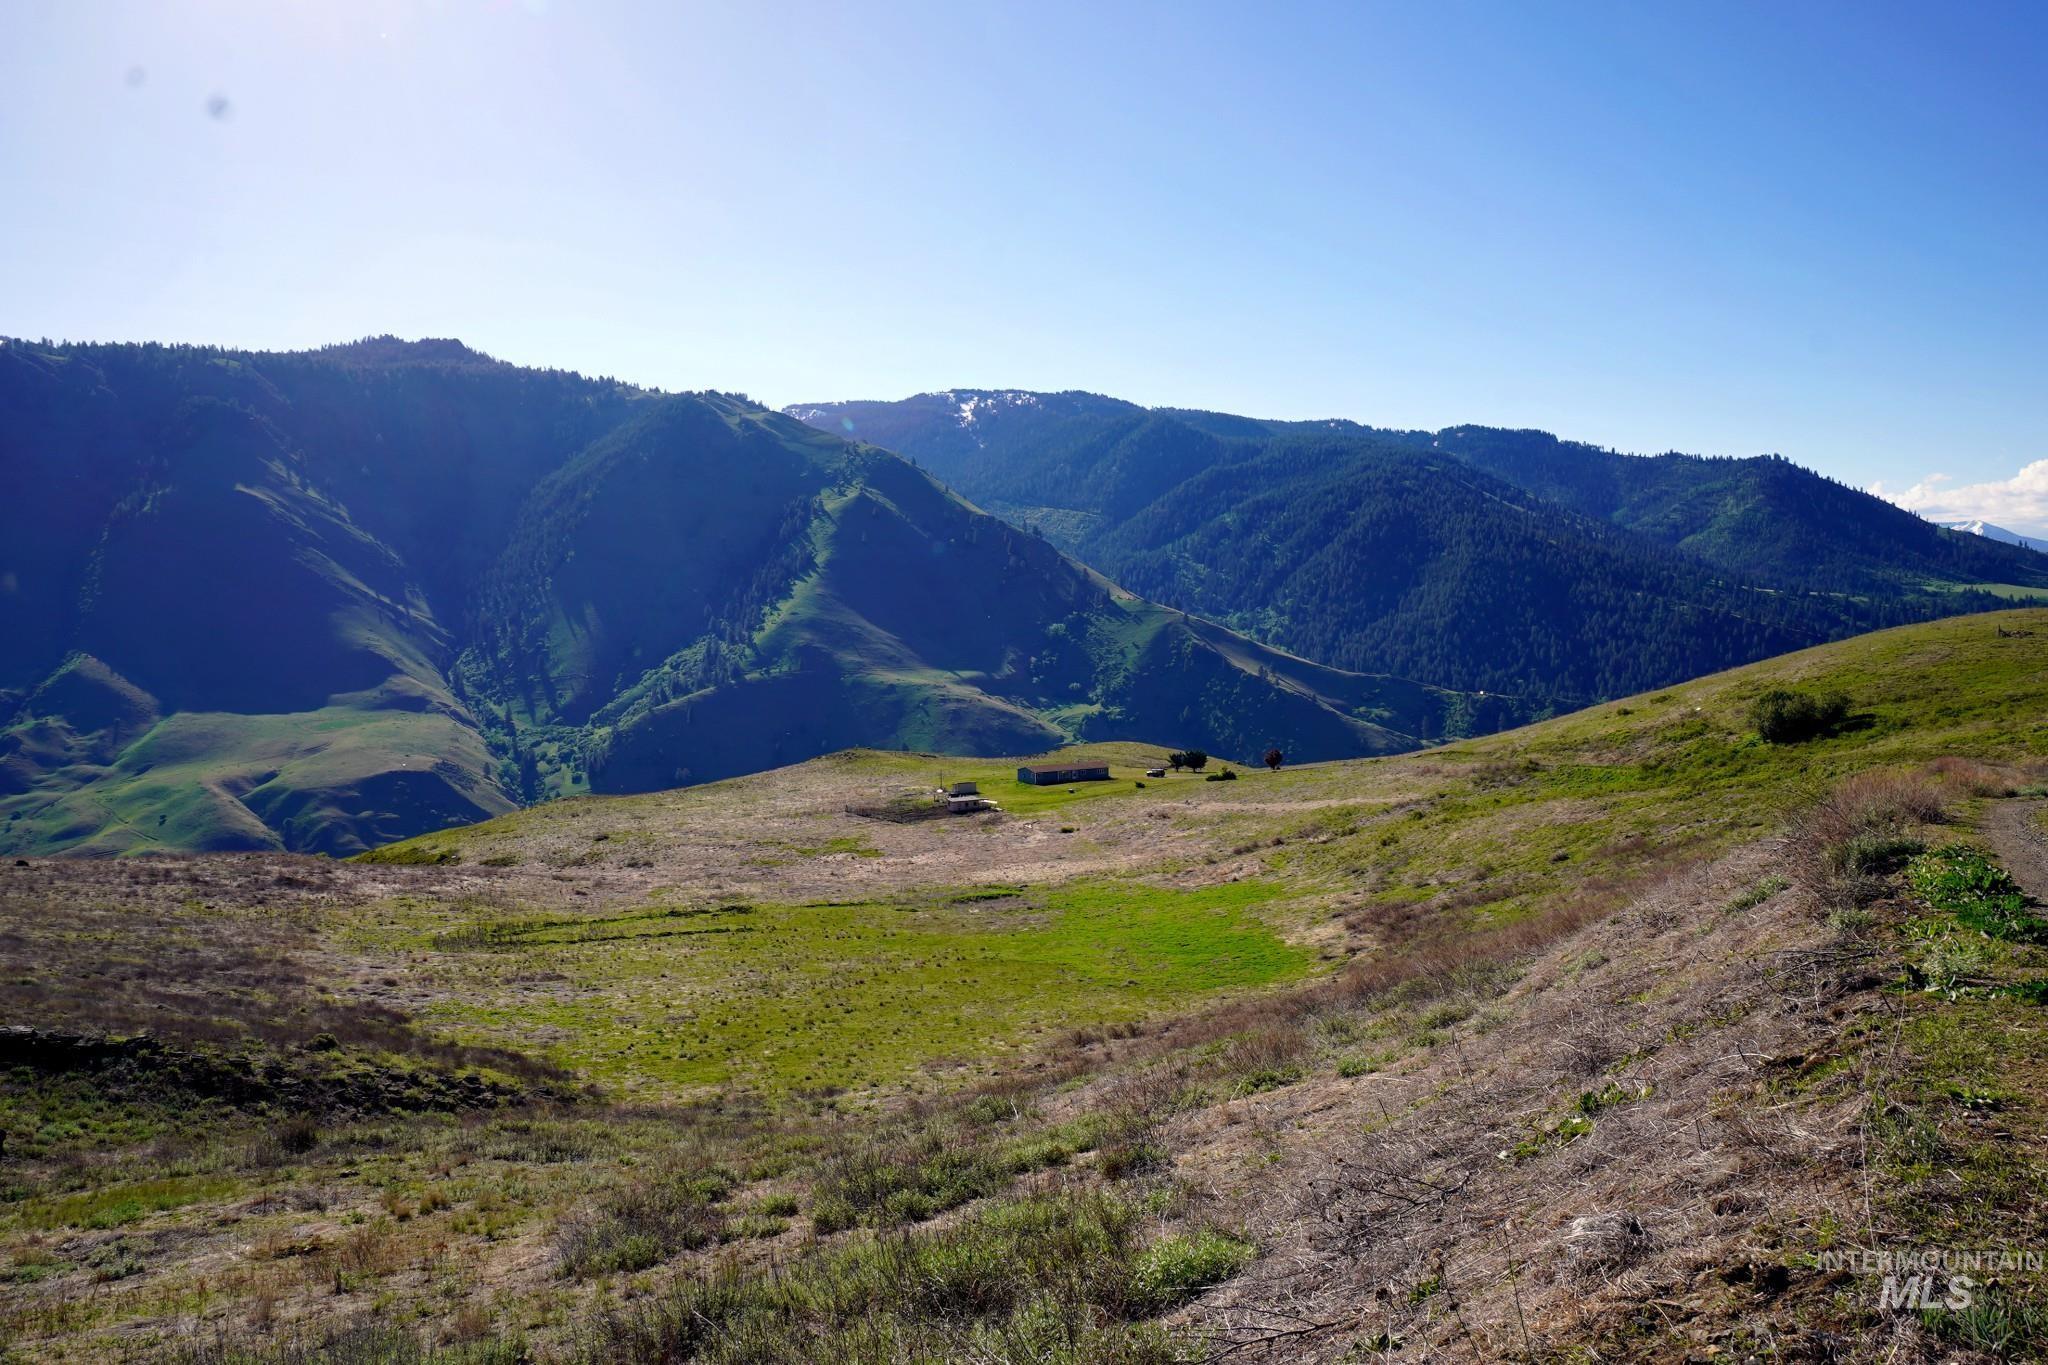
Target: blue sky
1811, 228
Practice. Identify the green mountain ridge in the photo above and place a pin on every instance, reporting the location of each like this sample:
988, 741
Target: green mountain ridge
324, 600
1760, 516
1470, 558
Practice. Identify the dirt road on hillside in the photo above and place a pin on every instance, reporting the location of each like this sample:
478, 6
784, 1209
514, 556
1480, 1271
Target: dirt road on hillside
2015, 834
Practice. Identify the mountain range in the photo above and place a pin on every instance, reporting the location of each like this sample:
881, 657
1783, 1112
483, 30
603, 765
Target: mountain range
324, 600
1476, 558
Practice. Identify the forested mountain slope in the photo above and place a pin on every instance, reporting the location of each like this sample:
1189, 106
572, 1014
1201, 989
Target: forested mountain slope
324, 600
1762, 517
1472, 558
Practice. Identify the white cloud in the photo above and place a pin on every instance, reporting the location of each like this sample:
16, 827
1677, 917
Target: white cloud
2019, 503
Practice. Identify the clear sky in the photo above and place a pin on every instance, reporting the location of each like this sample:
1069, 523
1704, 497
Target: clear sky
1814, 228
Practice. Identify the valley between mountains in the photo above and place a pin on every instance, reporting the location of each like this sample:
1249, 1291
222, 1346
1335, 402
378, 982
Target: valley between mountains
326, 600
482, 885
321, 601
874, 824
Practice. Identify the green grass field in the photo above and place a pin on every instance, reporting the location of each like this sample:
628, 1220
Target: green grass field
777, 998
2012, 592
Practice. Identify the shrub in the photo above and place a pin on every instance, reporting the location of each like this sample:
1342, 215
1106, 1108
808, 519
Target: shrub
1272, 1051
1051, 1278
1862, 831
636, 1227
992, 1108
1056, 1145
712, 1185
904, 1183
1444, 1014
1036, 1154
749, 1225
1782, 716
1123, 1159
833, 1213
1174, 1269
298, 1134
1973, 778
1266, 1078
1873, 854
277, 1146
1849, 919
1883, 799
1855, 891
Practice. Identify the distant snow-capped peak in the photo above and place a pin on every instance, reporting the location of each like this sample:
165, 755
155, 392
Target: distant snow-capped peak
1983, 528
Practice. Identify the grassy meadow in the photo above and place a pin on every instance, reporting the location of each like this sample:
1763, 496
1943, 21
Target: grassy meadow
831, 996
765, 1070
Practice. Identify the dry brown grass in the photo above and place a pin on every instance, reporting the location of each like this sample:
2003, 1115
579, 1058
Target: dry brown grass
1630, 1162
1453, 1205
215, 954
1970, 777
1882, 799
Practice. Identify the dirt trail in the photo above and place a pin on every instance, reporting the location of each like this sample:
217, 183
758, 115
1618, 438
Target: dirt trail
2014, 831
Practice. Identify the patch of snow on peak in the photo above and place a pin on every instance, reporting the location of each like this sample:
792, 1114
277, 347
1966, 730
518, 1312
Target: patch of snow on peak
1981, 527
978, 405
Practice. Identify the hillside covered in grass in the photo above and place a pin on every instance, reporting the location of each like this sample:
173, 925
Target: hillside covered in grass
1611, 1036
324, 600
1475, 558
